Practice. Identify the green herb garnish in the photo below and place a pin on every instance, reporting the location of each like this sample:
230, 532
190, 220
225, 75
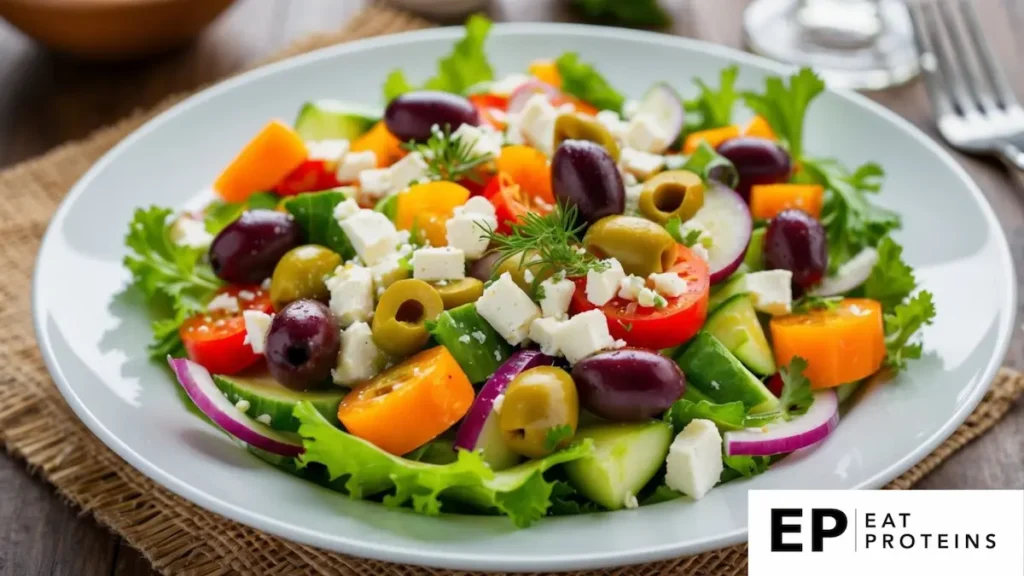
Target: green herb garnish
811, 303
901, 325
449, 157
796, 395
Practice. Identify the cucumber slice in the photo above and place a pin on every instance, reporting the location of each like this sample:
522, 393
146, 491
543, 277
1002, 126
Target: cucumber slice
334, 120
477, 348
625, 458
754, 259
732, 287
266, 396
711, 368
735, 324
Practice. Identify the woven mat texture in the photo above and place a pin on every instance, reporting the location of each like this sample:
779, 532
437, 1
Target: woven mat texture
178, 537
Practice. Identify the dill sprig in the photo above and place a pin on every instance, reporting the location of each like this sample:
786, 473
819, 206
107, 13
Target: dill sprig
449, 157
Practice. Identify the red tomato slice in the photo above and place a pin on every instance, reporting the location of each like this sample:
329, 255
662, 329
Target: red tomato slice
310, 176
657, 328
511, 202
491, 109
217, 340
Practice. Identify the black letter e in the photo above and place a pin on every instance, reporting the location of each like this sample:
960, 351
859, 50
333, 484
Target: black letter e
779, 528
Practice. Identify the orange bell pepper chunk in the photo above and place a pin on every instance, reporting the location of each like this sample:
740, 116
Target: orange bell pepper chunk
427, 207
841, 345
758, 127
265, 161
379, 140
546, 71
529, 168
410, 404
767, 200
714, 137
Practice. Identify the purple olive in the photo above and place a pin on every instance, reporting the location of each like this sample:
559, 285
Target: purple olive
758, 161
628, 385
412, 115
584, 175
246, 251
795, 241
302, 345
483, 268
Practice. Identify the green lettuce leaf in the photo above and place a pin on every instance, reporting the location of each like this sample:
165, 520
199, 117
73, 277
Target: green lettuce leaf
314, 212
712, 108
218, 214
785, 106
566, 501
728, 416
891, 280
521, 492
584, 82
743, 467
796, 395
902, 324
465, 66
707, 162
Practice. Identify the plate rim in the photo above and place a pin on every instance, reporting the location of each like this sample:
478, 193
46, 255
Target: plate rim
425, 557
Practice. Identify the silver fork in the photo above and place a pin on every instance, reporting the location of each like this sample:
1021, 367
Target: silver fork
976, 109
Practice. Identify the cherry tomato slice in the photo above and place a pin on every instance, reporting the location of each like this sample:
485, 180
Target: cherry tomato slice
511, 202
310, 176
657, 328
216, 340
491, 109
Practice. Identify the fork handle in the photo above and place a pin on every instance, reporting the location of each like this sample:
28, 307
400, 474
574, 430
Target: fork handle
1012, 156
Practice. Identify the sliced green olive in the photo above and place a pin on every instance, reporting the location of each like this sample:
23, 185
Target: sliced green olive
300, 274
642, 246
672, 194
582, 127
455, 293
536, 401
522, 271
399, 322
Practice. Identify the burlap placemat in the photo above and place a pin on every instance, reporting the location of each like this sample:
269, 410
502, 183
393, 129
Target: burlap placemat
175, 535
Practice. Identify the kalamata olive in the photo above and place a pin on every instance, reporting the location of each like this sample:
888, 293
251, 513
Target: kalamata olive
584, 175
796, 242
758, 161
302, 345
248, 249
411, 115
629, 384
483, 268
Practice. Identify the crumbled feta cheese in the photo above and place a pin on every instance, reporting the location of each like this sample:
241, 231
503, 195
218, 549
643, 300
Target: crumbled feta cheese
480, 140
668, 284
583, 335
265, 285
257, 324
476, 205
468, 232
771, 291
675, 161
630, 287
432, 264
408, 171
513, 130
223, 302
375, 183
345, 209
557, 296
507, 85
360, 359
602, 286
643, 133
694, 461
246, 295
242, 405
372, 235
703, 235
544, 331
351, 295
537, 123
465, 339
507, 309
264, 419
630, 501
479, 336
388, 271
499, 401
633, 193
700, 251
190, 232
647, 298
353, 165
330, 151
612, 123
641, 164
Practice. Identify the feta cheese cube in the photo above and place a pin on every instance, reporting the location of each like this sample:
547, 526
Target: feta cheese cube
641, 164
191, 232
375, 183
694, 461
372, 235
675, 161
650, 299
557, 296
408, 171
643, 133
480, 140
544, 331
223, 303
630, 287
537, 123
612, 123
668, 284
771, 291
330, 151
360, 359
508, 309
257, 324
633, 193
351, 295
354, 164
433, 264
344, 209
388, 271
583, 335
467, 232
476, 205
602, 286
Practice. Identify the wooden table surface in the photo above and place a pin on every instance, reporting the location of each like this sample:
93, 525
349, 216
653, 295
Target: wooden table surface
48, 99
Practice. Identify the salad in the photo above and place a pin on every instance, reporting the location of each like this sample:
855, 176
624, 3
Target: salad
531, 295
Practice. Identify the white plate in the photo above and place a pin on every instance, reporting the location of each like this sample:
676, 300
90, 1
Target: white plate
93, 335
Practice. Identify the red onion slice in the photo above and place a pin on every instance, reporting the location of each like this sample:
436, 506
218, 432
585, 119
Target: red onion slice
784, 437
517, 100
727, 220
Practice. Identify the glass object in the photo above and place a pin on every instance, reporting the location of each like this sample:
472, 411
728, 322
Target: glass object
857, 44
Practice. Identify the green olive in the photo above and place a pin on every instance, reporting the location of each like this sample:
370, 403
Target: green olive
672, 194
536, 401
399, 323
642, 246
300, 274
518, 266
582, 127
455, 293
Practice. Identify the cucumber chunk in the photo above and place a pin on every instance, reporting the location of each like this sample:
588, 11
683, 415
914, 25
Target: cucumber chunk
711, 368
625, 458
477, 348
334, 120
732, 287
266, 396
754, 258
735, 325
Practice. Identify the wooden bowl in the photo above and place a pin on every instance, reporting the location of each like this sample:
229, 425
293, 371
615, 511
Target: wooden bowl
111, 29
